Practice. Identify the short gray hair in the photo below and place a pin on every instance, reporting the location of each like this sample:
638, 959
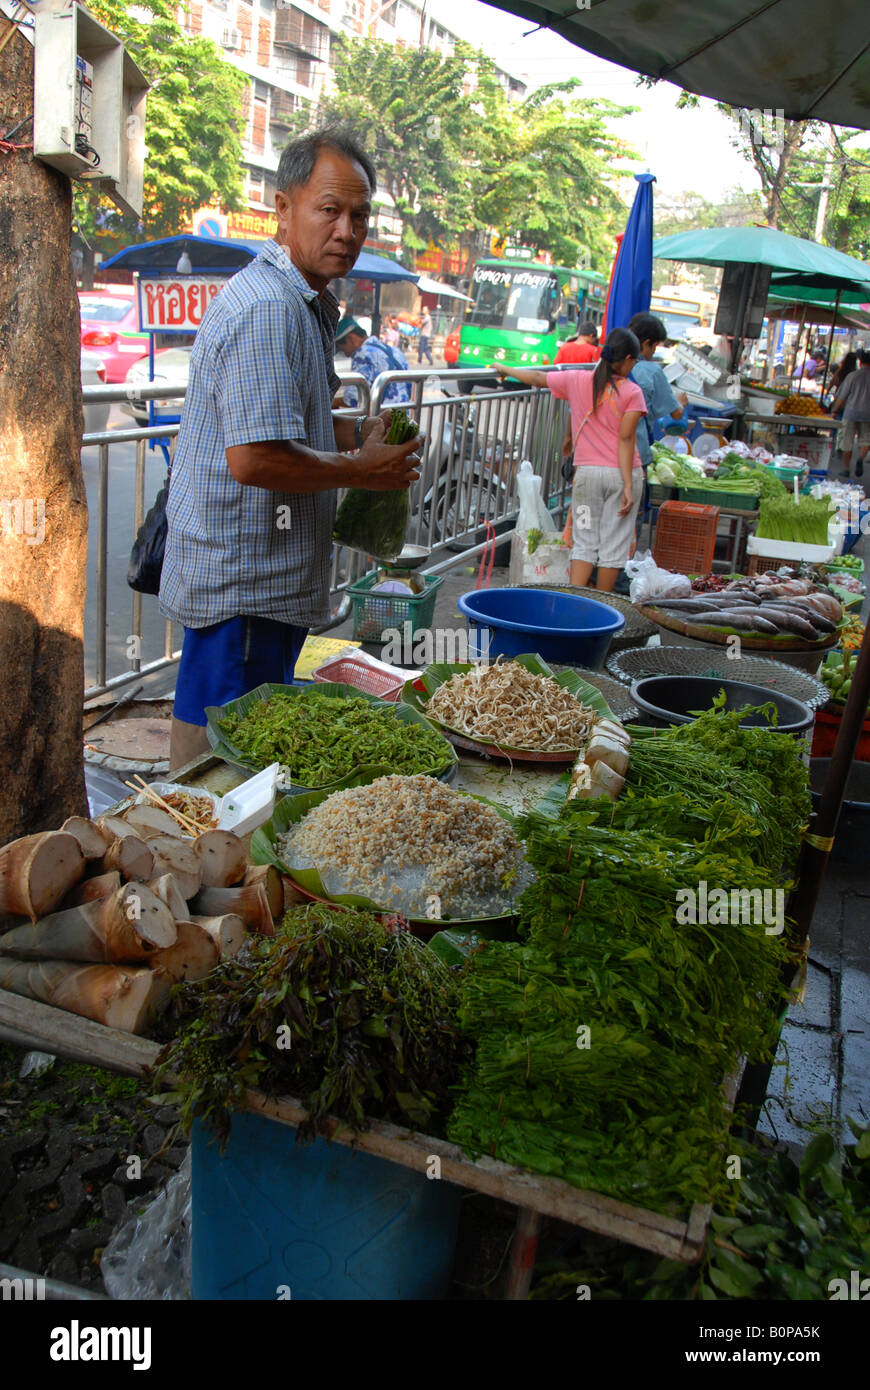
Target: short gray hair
298, 159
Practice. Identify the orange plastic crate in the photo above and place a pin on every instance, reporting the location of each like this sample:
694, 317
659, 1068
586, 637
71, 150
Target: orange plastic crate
685, 538
763, 564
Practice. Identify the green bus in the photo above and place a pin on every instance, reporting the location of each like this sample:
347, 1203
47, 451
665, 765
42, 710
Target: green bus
521, 311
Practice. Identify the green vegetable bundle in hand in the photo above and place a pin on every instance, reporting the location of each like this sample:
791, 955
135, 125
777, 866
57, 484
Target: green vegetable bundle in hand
376, 521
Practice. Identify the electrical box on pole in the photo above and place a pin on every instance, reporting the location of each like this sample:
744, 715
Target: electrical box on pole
89, 105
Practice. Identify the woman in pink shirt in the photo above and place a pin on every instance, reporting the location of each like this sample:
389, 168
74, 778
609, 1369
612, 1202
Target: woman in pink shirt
608, 477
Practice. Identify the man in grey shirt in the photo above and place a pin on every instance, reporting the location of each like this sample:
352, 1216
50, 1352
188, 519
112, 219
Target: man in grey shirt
853, 398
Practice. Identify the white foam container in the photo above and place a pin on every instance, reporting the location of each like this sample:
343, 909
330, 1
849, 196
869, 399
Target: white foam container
251, 804
789, 550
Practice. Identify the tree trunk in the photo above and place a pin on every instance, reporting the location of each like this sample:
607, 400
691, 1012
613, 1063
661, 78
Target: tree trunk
43, 511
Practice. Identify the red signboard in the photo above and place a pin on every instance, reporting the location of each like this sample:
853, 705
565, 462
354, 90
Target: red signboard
177, 303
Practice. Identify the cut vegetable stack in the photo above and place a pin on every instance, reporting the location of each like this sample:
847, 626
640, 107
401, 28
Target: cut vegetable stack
98, 918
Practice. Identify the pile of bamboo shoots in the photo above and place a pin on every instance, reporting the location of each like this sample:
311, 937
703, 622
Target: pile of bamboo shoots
102, 916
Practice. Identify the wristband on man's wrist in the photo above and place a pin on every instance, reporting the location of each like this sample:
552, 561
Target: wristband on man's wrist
357, 431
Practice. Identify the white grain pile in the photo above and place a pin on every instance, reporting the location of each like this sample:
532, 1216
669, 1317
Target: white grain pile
413, 845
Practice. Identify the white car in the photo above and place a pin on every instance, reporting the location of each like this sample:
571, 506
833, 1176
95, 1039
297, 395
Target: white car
171, 365
94, 374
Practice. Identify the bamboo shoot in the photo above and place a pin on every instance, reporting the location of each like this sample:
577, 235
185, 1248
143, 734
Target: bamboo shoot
228, 932
267, 877
222, 858
249, 903
177, 857
194, 955
168, 891
37, 872
93, 840
150, 821
127, 926
120, 997
91, 889
131, 857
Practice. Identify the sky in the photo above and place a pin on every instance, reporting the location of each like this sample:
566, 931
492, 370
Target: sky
688, 151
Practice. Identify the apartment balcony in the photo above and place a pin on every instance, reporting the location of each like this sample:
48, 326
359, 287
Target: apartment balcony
295, 30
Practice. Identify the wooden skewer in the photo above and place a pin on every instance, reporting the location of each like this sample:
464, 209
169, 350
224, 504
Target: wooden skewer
157, 800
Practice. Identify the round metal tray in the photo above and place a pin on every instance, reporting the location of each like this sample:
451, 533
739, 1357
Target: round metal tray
637, 628
672, 660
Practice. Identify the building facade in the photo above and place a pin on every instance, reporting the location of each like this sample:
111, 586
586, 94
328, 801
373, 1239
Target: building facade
286, 50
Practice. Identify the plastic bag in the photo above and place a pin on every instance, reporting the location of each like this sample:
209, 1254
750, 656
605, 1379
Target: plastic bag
648, 582
533, 514
146, 557
149, 1255
374, 522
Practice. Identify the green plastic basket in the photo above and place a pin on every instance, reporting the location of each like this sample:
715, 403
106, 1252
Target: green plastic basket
660, 492
718, 497
372, 613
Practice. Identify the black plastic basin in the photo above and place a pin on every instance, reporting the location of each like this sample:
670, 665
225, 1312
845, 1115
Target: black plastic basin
669, 700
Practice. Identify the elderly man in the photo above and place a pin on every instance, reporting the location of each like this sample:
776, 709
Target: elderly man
370, 356
260, 455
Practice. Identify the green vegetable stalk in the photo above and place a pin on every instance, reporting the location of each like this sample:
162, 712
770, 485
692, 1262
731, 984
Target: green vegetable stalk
375, 522
805, 522
321, 739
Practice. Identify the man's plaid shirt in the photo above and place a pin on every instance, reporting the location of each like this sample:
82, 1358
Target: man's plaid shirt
261, 369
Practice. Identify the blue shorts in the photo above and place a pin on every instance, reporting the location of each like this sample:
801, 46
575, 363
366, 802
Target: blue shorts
222, 662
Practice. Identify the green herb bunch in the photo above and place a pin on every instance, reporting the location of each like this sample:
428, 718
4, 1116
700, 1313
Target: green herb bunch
351, 1018
603, 1040
714, 765
375, 522
790, 1231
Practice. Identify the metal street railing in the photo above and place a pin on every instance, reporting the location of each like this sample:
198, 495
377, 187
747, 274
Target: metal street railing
472, 450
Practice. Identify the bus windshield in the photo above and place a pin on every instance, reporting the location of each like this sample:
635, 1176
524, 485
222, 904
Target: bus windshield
510, 298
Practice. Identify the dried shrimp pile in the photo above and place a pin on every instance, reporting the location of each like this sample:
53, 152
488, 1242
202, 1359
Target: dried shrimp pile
412, 845
506, 704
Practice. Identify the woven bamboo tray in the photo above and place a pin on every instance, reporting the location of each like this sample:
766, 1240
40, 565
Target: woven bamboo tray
634, 665
637, 628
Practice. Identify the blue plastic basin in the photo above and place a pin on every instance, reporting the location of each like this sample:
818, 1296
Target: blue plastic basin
559, 627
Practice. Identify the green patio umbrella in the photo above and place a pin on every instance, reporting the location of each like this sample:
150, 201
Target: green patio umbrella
799, 261
798, 267
789, 55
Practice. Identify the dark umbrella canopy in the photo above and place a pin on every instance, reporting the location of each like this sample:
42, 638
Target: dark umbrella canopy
789, 55
208, 255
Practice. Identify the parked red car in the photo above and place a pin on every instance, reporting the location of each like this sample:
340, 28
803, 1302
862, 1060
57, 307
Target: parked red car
110, 328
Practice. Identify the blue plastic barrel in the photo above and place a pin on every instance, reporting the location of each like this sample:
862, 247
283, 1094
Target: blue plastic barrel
276, 1219
567, 628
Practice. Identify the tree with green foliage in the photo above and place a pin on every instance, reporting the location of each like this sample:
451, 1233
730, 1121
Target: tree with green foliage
459, 161
192, 127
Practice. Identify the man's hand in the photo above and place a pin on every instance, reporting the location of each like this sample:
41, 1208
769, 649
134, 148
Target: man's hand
385, 467
567, 446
